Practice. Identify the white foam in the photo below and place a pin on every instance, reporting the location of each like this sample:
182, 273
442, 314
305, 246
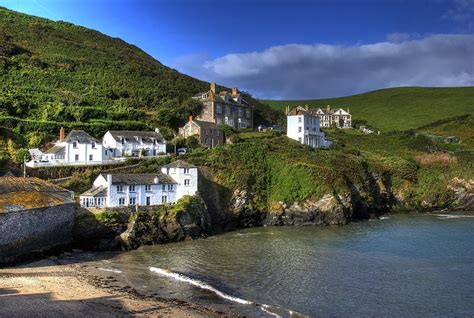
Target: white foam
384, 218
113, 270
198, 283
265, 309
453, 216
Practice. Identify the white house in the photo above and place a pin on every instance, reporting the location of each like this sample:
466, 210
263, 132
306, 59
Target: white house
78, 147
121, 143
328, 117
114, 190
305, 128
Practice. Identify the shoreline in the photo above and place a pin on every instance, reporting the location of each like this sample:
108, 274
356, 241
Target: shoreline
72, 286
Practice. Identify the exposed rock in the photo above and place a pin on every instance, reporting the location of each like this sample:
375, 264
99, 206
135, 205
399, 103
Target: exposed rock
463, 191
329, 210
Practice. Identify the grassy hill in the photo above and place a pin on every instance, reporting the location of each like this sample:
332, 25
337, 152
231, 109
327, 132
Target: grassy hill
398, 108
55, 74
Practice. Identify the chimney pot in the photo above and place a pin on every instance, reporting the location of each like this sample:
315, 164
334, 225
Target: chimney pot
190, 119
235, 91
61, 134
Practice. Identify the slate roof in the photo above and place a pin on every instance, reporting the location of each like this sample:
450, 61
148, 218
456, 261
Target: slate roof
80, 136
220, 97
96, 192
205, 124
179, 164
55, 149
131, 136
141, 179
17, 193
296, 112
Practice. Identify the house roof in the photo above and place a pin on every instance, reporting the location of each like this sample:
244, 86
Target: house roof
141, 179
131, 136
297, 112
179, 164
35, 152
79, 136
17, 193
204, 124
54, 149
99, 191
220, 97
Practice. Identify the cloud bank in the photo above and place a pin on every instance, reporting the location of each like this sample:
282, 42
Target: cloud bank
299, 71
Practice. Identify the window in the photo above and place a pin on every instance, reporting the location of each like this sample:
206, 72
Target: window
131, 188
93, 145
148, 187
299, 119
249, 113
163, 187
299, 139
121, 201
240, 112
218, 109
106, 152
132, 201
299, 129
123, 141
164, 199
148, 200
76, 157
74, 144
186, 170
91, 157
186, 182
119, 188
170, 187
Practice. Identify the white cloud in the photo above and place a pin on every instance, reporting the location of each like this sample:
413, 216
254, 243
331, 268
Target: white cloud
321, 70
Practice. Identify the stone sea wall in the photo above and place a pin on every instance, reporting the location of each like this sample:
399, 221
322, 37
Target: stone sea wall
25, 233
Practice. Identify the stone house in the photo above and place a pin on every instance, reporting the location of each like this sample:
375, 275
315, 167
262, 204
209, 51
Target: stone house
35, 216
207, 133
225, 107
163, 187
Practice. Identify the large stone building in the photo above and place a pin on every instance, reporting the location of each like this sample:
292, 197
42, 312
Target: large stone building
337, 117
35, 216
208, 133
225, 107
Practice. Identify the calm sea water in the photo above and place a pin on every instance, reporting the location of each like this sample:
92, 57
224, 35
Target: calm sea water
400, 266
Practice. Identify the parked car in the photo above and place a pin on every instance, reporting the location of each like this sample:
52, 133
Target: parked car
182, 151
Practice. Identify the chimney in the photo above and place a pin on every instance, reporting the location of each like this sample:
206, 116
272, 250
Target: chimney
190, 119
348, 110
61, 134
328, 107
157, 130
235, 91
213, 87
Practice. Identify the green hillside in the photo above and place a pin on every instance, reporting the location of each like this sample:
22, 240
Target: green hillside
398, 108
55, 74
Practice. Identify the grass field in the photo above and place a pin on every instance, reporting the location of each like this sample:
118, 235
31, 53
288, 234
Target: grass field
398, 108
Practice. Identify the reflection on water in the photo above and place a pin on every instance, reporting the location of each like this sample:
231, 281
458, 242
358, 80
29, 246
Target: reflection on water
416, 265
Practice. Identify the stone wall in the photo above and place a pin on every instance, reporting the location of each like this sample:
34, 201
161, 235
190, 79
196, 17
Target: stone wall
28, 232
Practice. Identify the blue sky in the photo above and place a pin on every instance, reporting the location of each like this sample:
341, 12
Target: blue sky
273, 48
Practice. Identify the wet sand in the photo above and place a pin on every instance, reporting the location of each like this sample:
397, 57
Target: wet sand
73, 287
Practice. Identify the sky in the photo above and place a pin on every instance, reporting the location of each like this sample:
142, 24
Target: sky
289, 49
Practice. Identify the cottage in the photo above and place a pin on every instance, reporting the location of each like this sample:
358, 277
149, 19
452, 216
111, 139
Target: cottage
166, 186
208, 134
122, 143
305, 128
78, 147
225, 108
328, 117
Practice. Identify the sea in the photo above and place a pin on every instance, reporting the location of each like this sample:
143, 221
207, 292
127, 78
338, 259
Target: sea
410, 265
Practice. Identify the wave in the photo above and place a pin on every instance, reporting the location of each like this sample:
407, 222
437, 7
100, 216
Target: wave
113, 270
271, 310
453, 216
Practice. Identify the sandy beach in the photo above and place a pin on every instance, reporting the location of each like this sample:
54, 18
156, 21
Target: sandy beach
58, 288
